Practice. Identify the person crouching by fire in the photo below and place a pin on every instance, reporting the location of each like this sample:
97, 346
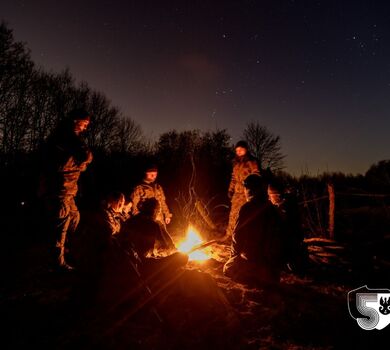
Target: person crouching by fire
149, 188
143, 234
97, 232
244, 164
102, 265
256, 250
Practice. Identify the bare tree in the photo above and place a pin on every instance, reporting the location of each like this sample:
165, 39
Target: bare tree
101, 133
378, 175
16, 74
265, 146
174, 146
51, 97
128, 135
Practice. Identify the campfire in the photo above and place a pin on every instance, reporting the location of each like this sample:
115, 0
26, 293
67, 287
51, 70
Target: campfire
193, 246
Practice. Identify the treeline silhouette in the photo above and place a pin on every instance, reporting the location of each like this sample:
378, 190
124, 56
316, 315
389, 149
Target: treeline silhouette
33, 101
192, 163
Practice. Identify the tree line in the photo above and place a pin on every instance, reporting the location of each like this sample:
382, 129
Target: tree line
33, 101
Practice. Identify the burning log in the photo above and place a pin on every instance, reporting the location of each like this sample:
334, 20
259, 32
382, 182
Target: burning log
193, 245
202, 246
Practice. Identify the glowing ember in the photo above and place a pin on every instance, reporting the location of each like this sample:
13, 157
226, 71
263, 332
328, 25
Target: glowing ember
193, 239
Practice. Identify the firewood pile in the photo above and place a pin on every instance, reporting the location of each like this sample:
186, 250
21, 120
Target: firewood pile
326, 251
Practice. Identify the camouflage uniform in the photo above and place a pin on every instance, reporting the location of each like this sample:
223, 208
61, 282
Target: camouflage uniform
241, 169
114, 220
150, 190
66, 157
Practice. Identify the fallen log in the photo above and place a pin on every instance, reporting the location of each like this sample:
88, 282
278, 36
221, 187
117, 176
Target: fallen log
202, 246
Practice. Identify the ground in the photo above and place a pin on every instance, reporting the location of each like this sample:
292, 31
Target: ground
203, 310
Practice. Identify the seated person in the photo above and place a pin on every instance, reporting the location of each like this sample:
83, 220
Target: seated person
142, 233
97, 229
100, 259
256, 250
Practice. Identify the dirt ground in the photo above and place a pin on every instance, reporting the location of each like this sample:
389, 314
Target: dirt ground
203, 309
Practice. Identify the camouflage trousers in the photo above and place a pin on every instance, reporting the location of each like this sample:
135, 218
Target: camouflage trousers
238, 201
64, 217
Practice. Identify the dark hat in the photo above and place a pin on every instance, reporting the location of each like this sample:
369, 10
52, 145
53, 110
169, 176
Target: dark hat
79, 114
254, 181
151, 167
114, 196
242, 144
149, 206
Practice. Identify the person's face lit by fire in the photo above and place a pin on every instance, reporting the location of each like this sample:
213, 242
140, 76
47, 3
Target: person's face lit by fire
240, 151
151, 176
248, 194
80, 126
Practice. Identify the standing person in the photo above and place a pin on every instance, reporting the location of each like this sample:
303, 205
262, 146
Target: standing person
256, 250
149, 188
66, 156
244, 164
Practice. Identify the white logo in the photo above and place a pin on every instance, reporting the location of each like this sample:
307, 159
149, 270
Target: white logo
370, 307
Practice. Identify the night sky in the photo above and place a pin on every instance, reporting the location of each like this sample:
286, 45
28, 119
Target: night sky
317, 73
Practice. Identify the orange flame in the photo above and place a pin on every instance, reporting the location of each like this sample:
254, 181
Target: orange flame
193, 238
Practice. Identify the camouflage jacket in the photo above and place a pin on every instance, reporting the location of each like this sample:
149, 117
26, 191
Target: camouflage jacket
241, 169
113, 220
147, 190
65, 158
